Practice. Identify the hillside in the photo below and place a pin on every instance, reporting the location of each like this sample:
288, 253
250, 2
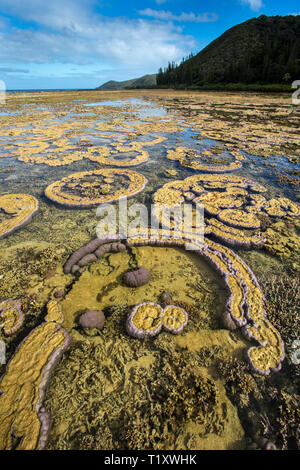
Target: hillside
143, 82
261, 50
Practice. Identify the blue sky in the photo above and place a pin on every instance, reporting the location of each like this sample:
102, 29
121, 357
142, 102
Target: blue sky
83, 43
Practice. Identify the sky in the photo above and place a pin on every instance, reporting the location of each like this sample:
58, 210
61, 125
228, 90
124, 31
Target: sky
74, 44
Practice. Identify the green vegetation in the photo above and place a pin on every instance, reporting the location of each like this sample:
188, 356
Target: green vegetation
262, 54
147, 81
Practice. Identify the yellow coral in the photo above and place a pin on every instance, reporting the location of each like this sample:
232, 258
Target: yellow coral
11, 316
265, 357
19, 208
22, 386
174, 318
62, 191
227, 197
191, 159
239, 218
148, 316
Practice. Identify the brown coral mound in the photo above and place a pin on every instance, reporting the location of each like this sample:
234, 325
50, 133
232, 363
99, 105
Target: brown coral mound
92, 319
93, 250
137, 278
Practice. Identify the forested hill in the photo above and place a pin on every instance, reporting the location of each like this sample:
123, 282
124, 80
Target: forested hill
261, 50
147, 81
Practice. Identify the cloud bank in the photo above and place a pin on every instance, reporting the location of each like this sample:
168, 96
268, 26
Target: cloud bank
183, 17
71, 32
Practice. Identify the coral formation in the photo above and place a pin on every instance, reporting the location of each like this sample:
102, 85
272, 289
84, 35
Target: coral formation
148, 319
171, 173
116, 156
92, 319
114, 392
117, 394
245, 304
174, 319
238, 218
145, 320
270, 352
191, 159
59, 293
26, 265
281, 207
92, 251
84, 189
18, 210
22, 414
137, 278
11, 316
283, 241
233, 206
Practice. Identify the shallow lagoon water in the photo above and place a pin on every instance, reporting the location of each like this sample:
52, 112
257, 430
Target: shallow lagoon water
117, 365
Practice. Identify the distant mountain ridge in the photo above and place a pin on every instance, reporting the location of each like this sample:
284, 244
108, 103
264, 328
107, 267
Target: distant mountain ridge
262, 50
143, 82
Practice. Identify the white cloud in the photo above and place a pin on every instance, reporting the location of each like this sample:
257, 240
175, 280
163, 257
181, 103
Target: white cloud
71, 32
255, 5
12, 70
184, 17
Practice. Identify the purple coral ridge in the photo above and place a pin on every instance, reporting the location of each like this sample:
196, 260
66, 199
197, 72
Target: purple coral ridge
50, 366
137, 278
87, 259
46, 375
92, 319
93, 250
228, 322
110, 248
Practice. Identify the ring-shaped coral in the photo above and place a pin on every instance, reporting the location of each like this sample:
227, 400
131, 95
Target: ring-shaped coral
245, 306
124, 154
118, 157
190, 158
147, 320
90, 188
